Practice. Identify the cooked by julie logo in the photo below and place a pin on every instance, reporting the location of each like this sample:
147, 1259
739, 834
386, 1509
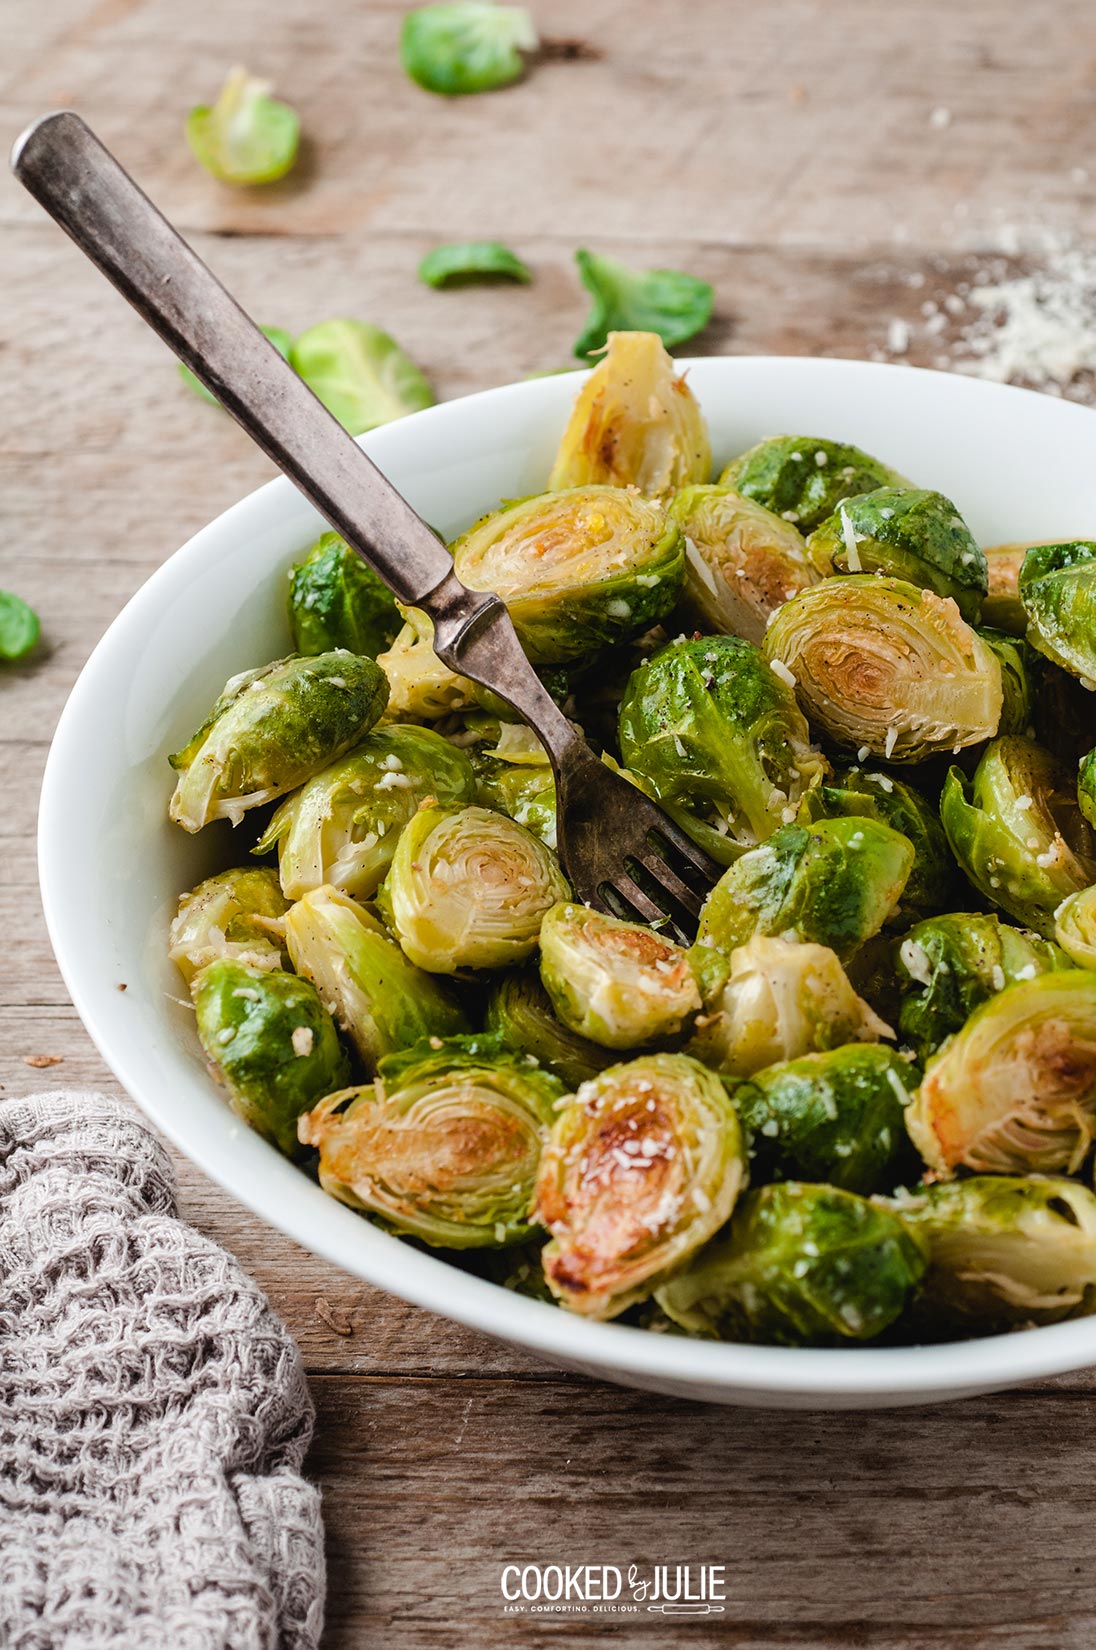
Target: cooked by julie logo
613, 1589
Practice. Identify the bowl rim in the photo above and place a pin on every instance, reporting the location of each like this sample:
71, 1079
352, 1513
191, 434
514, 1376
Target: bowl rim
292, 1203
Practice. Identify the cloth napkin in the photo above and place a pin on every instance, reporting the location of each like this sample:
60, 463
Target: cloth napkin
153, 1410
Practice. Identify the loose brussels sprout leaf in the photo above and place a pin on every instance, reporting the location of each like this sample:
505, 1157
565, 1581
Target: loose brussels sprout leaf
801, 1265
19, 627
382, 1001
1017, 831
663, 301
342, 826
1019, 664
336, 600
444, 1147
1086, 787
949, 966
712, 729
271, 730
469, 888
617, 983
419, 684
247, 136
891, 670
909, 533
742, 561
782, 1000
643, 1165
236, 914
282, 343
857, 793
635, 424
271, 1043
834, 882
514, 776
472, 261
1075, 927
1001, 605
466, 46
1014, 1091
1004, 1251
578, 569
837, 1117
1058, 591
360, 374
519, 1011
804, 478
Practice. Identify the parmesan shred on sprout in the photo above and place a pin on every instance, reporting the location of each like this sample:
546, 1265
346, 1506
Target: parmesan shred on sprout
848, 533
779, 668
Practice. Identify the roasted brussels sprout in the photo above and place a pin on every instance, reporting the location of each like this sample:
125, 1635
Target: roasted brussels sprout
1086, 787
361, 375
462, 261
617, 983
1004, 1251
444, 1147
578, 569
912, 535
891, 670
461, 46
663, 301
742, 561
342, 826
713, 730
1075, 927
635, 423
948, 966
1001, 605
420, 686
861, 793
469, 888
382, 1001
236, 914
1019, 666
1058, 590
1015, 1090
514, 776
336, 600
520, 1012
271, 730
801, 1265
834, 882
836, 1116
642, 1166
803, 478
782, 1000
247, 136
271, 1043
1017, 831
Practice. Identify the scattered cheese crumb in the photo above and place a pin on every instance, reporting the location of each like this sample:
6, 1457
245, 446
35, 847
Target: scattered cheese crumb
302, 1040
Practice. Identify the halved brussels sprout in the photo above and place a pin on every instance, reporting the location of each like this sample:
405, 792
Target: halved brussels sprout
336, 600
1075, 927
642, 1166
520, 1012
804, 478
802, 1265
236, 914
444, 1146
420, 686
909, 533
578, 569
618, 983
272, 729
783, 1000
1001, 605
1004, 1251
836, 1116
1017, 831
742, 561
713, 730
635, 423
950, 965
834, 882
1086, 787
514, 775
861, 793
271, 1043
1058, 590
1015, 1090
894, 671
342, 826
382, 1001
469, 888
1019, 665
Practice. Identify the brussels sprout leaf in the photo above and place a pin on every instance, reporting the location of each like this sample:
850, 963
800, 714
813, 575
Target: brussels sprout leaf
19, 627
471, 261
282, 343
627, 300
359, 373
246, 136
467, 46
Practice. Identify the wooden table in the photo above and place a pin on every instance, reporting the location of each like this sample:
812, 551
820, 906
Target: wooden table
788, 152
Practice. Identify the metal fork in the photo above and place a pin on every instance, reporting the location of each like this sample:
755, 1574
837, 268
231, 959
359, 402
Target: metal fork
618, 849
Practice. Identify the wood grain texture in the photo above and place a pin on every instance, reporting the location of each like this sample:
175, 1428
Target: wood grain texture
788, 154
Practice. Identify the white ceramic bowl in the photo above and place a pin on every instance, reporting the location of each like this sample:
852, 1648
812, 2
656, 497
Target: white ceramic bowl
1018, 465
